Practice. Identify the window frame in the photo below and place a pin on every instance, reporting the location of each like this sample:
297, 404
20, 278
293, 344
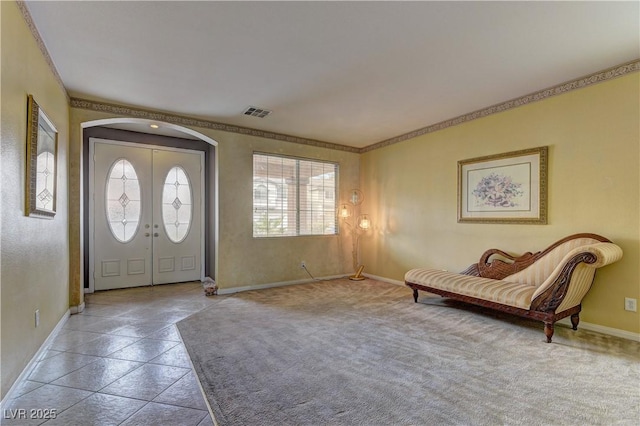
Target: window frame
296, 227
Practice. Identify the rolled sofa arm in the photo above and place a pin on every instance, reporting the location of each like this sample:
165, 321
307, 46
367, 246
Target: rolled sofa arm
571, 279
606, 253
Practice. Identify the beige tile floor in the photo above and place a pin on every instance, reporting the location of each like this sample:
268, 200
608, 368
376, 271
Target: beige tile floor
120, 362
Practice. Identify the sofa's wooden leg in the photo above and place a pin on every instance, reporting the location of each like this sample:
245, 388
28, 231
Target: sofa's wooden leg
575, 320
548, 331
415, 295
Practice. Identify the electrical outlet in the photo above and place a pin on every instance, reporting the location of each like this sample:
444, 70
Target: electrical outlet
37, 317
630, 304
303, 264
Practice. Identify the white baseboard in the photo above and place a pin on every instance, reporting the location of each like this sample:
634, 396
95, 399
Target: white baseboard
383, 279
29, 368
276, 284
616, 332
564, 322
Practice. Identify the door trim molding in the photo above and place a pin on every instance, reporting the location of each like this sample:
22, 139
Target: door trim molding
203, 200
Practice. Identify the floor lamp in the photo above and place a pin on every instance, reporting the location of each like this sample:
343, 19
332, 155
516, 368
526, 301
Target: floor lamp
361, 224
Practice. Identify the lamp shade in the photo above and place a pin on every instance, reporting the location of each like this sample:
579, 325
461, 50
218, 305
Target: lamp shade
356, 197
364, 222
344, 211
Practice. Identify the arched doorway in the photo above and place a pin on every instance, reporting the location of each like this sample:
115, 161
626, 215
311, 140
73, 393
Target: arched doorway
164, 137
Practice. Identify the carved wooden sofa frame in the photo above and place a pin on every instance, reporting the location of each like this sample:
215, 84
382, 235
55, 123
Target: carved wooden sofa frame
591, 252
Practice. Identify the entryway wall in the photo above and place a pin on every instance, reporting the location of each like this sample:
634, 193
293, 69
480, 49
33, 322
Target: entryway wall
157, 140
240, 259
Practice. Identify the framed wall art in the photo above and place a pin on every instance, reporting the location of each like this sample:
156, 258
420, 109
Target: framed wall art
42, 159
504, 188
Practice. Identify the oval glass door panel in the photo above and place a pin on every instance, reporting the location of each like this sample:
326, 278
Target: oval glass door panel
177, 205
123, 200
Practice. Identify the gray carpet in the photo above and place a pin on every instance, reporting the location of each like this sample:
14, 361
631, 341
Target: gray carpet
363, 353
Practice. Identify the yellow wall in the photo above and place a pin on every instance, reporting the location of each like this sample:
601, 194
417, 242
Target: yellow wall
593, 138
244, 260
247, 261
35, 265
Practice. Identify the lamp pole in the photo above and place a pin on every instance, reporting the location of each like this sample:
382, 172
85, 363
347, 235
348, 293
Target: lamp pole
361, 223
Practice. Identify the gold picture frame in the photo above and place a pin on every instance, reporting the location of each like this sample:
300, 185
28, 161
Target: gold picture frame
42, 163
504, 188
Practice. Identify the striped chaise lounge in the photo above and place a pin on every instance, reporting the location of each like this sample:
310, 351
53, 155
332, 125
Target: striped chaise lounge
548, 285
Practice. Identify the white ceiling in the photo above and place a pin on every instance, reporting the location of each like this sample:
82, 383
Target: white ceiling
351, 73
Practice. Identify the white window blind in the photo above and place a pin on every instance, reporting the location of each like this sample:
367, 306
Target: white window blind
293, 196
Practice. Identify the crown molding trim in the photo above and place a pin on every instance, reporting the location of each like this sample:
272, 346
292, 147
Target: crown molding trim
207, 124
579, 83
26, 15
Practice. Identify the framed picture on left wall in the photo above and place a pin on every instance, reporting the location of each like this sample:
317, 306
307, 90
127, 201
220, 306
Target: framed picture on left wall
42, 162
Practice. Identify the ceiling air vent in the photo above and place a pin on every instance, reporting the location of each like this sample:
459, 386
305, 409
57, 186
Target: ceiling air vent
257, 112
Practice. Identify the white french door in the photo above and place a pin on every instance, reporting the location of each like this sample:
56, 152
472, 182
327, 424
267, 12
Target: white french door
146, 215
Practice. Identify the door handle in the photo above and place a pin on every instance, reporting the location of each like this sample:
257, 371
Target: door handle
155, 234
146, 234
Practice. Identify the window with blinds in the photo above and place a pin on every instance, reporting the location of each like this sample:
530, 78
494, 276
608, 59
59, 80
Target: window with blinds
293, 196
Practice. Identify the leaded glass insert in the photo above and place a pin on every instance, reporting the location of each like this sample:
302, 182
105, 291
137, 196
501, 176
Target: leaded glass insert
123, 200
45, 180
177, 205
